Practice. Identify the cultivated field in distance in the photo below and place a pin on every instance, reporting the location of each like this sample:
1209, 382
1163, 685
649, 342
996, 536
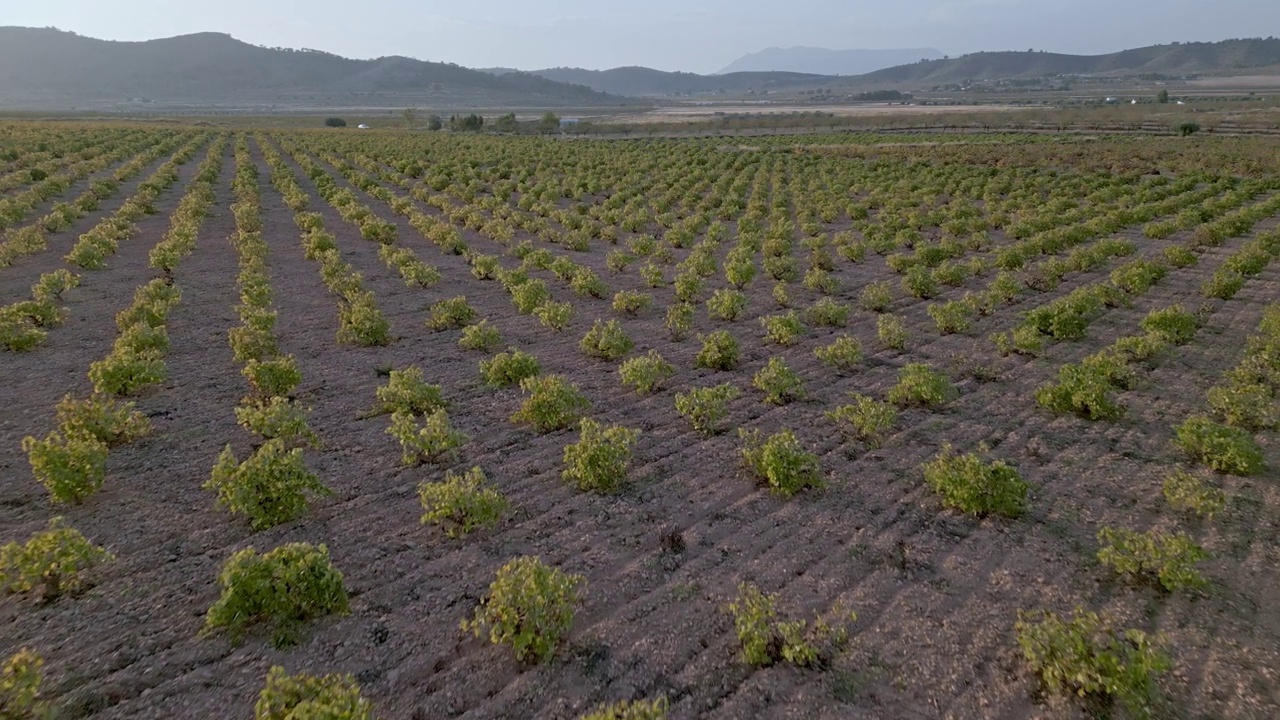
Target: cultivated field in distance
820, 426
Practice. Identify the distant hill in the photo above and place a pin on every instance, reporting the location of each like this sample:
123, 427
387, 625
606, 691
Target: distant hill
821, 61
44, 67
646, 82
1223, 57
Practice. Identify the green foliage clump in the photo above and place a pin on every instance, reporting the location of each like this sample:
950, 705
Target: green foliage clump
869, 418
1168, 558
529, 295
1225, 449
407, 392
726, 304
105, 419
462, 503
1087, 388
20, 680
286, 587
598, 461
919, 282
783, 329
767, 640
719, 351
921, 385
277, 417
892, 332
972, 486
705, 407
1083, 655
631, 302
630, 710
551, 403
55, 561
509, 368
778, 382
1189, 493
1245, 404
529, 606
827, 313
679, 320
646, 373
277, 376
1173, 324
271, 487
304, 696
844, 354
431, 441
606, 341
780, 461
71, 467
360, 322
554, 315
126, 371
482, 336
953, 316
876, 296
452, 313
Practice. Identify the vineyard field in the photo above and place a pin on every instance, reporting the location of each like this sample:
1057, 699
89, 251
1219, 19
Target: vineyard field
948, 374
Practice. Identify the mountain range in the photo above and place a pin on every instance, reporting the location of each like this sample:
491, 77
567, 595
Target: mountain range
50, 69
821, 61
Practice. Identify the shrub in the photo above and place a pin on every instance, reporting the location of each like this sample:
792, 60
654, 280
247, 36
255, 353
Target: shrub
552, 403
431, 441
530, 606
55, 561
891, 331
1247, 405
778, 382
652, 275
679, 320
481, 336
630, 710
719, 351
278, 376
1170, 559
360, 322
1085, 389
726, 304
1174, 324
919, 282
335, 122
296, 697
876, 296
125, 372
705, 407
277, 417
826, 312
598, 461
509, 368
554, 315
452, 313
782, 329
1084, 656
286, 587
646, 373
71, 467
606, 341
869, 418
844, 354
105, 419
953, 316
18, 332
780, 462
1137, 276
631, 302
971, 486
271, 487
462, 503
406, 392
1189, 493
20, 687
920, 385
767, 640
528, 295
1225, 449
252, 343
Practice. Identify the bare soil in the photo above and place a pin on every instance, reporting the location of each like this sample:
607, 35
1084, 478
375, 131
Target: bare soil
936, 593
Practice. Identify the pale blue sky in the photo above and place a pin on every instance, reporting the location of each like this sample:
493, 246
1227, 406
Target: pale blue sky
692, 35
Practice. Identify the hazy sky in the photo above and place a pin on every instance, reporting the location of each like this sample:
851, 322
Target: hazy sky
692, 35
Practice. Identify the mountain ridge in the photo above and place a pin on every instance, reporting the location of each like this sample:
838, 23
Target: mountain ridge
826, 61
